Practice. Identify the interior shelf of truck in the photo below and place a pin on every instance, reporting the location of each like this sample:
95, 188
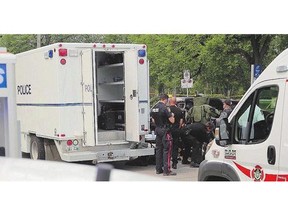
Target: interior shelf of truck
111, 101
111, 65
112, 83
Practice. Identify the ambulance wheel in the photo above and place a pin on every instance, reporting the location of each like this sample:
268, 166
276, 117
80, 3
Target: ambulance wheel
37, 150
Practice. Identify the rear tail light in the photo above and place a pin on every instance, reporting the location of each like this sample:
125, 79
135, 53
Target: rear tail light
63, 61
69, 142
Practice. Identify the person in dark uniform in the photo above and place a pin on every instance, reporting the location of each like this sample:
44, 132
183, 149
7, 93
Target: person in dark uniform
163, 118
194, 136
175, 130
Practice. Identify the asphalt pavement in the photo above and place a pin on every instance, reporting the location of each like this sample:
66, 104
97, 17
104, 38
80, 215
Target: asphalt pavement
184, 171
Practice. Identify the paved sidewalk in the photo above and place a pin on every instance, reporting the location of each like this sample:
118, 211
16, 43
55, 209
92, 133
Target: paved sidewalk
184, 171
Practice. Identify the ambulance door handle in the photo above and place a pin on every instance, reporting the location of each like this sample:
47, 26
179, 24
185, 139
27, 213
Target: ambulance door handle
271, 155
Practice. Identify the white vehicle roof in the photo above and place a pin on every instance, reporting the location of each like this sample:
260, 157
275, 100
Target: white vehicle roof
100, 46
278, 68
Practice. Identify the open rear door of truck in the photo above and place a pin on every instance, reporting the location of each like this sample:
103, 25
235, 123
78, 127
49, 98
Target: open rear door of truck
89, 123
131, 96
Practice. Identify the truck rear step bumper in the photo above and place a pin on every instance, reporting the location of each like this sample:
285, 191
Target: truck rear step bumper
106, 156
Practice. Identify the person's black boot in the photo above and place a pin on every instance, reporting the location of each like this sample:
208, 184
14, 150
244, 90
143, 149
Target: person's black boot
194, 164
174, 165
185, 161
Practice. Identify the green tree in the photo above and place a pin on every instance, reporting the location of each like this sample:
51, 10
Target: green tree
219, 64
169, 56
20, 43
228, 59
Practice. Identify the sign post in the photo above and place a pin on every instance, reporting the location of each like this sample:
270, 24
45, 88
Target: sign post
256, 70
186, 82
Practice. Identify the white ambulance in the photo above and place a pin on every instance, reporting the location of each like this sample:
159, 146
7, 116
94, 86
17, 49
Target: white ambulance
252, 145
84, 101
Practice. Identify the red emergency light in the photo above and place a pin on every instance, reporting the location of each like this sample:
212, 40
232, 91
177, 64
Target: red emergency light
63, 52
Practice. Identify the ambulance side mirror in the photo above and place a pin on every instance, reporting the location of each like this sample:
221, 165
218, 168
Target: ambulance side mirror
222, 133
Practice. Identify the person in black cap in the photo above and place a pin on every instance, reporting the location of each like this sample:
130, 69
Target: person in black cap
163, 118
226, 111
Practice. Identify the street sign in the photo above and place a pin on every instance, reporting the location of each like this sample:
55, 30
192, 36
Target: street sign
186, 74
257, 70
186, 83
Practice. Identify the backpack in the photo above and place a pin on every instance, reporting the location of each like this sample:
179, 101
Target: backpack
202, 113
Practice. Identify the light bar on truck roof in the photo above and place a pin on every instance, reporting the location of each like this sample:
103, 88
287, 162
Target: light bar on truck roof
63, 52
50, 53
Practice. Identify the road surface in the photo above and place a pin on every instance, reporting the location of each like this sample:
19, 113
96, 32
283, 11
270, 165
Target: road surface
184, 171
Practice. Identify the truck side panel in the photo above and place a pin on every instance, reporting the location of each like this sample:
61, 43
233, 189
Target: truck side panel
49, 99
37, 91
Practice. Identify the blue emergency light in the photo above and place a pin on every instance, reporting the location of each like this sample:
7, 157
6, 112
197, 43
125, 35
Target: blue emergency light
141, 53
50, 53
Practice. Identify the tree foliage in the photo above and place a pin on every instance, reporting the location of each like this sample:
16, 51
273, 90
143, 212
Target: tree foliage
219, 64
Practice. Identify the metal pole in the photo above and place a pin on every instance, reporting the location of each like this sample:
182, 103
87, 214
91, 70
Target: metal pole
252, 74
187, 92
38, 40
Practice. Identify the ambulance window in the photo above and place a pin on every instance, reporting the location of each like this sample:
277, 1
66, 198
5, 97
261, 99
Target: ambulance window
257, 123
242, 120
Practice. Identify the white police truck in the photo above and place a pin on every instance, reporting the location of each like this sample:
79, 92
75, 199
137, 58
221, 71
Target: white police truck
252, 144
83, 102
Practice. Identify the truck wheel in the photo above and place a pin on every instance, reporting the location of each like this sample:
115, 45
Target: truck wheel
37, 150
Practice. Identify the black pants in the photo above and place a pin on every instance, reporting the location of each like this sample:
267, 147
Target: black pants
176, 144
163, 149
193, 149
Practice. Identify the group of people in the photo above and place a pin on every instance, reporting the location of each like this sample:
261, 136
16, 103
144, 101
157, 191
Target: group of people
189, 132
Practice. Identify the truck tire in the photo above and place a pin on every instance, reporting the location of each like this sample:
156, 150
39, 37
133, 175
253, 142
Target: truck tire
37, 150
